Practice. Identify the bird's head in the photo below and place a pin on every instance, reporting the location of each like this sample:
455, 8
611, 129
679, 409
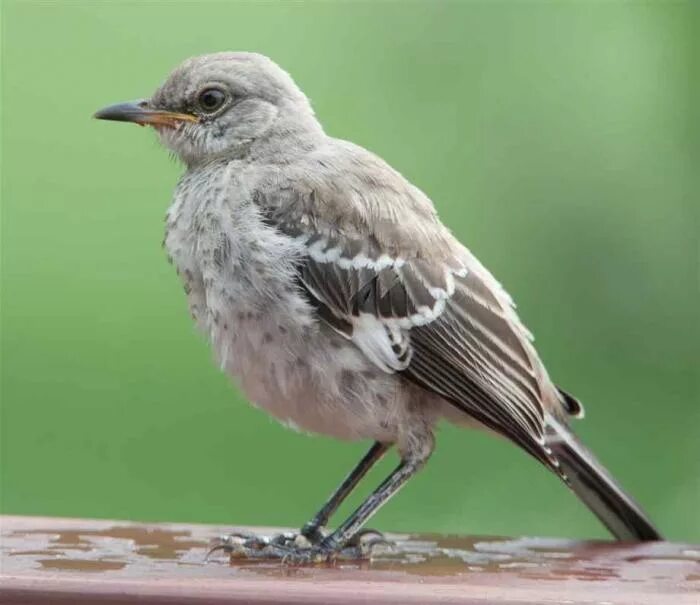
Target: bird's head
220, 105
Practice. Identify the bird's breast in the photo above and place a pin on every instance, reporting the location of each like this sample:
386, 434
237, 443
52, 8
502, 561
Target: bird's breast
239, 275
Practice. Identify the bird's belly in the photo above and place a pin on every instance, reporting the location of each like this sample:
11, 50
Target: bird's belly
311, 380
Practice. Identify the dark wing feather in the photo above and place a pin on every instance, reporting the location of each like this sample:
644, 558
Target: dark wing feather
491, 373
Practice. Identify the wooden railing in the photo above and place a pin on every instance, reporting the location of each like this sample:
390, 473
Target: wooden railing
105, 562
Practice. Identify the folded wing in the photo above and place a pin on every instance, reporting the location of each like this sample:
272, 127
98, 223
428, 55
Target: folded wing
383, 272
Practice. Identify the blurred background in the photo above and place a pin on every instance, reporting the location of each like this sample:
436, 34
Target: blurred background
555, 140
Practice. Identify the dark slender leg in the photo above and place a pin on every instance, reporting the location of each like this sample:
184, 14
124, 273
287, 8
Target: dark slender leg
337, 545
311, 530
250, 546
403, 472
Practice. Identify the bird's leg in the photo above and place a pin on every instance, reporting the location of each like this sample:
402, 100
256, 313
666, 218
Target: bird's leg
336, 544
248, 545
352, 525
312, 530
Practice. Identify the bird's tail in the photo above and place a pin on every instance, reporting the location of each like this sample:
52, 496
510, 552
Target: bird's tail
594, 485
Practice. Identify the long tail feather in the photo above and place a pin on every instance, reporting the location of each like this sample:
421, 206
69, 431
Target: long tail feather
594, 485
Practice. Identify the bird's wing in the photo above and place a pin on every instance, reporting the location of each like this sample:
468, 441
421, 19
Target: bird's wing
388, 276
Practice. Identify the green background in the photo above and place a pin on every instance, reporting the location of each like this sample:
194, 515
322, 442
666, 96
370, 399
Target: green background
556, 141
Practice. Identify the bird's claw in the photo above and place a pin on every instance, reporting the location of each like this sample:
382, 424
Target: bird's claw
368, 536
295, 550
360, 548
246, 545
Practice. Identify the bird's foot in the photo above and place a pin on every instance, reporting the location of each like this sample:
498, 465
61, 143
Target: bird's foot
296, 550
359, 548
246, 545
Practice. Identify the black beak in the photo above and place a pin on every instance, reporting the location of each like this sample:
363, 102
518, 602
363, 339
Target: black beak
141, 113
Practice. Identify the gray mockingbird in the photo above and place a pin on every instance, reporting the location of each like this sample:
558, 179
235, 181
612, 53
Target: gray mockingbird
334, 296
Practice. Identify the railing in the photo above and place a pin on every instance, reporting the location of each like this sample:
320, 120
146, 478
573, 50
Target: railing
86, 561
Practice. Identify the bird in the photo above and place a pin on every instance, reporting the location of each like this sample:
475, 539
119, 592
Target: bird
336, 299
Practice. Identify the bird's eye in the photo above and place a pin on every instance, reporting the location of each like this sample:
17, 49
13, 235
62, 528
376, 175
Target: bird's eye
211, 99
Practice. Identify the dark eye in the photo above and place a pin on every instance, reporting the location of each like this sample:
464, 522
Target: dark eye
211, 99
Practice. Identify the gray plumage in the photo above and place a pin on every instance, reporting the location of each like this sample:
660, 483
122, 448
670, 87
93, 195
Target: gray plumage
329, 289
